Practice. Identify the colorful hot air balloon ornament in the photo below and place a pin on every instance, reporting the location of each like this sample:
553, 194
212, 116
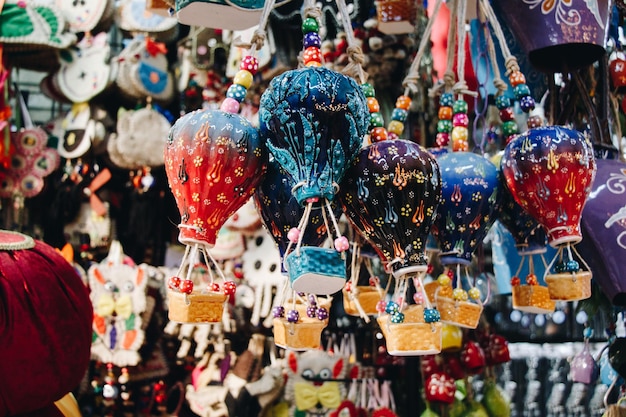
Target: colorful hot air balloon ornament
550, 172
313, 120
213, 161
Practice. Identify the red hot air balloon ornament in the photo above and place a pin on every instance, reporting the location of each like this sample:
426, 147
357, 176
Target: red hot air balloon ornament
213, 161
313, 120
550, 172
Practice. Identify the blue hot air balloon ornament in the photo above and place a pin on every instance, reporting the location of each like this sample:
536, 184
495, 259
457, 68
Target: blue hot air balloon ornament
313, 120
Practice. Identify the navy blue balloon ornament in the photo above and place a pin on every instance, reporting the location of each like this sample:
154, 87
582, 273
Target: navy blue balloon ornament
313, 121
281, 212
390, 195
469, 205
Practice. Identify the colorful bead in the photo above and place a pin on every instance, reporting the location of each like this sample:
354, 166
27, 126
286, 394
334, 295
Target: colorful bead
418, 297
527, 103
515, 281
342, 244
444, 280
380, 306
310, 25
442, 139
521, 90
244, 78
460, 146
230, 105
368, 90
534, 121
460, 120
293, 316
395, 127
313, 299
531, 279
392, 136
378, 134
431, 315
312, 56
312, 39
313, 64
559, 267
509, 128
311, 312
392, 307
507, 114
376, 120
322, 313
588, 332
503, 102
397, 318
459, 294
446, 100
516, 78
460, 106
460, 134
293, 235
474, 293
249, 63
403, 102
173, 283
186, 286
236, 91
214, 287
444, 126
572, 266
230, 288
445, 113
372, 105
399, 114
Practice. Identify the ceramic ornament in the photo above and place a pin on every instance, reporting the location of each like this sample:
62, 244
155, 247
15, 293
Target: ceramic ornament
390, 194
223, 14
550, 173
313, 120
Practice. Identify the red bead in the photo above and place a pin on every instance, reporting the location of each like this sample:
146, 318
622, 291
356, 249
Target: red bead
214, 287
249, 63
378, 134
173, 283
515, 281
507, 114
442, 139
186, 286
516, 78
312, 54
229, 288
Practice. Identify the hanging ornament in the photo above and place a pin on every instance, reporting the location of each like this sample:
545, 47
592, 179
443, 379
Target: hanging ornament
583, 367
390, 195
313, 120
550, 172
468, 207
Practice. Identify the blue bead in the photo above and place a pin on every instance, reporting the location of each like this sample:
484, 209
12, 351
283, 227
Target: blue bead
527, 103
236, 91
521, 90
392, 307
399, 115
431, 315
572, 266
503, 102
312, 39
397, 318
588, 332
560, 267
447, 99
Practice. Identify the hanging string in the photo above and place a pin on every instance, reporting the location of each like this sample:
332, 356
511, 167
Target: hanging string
411, 80
461, 87
510, 60
449, 76
260, 34
356, 58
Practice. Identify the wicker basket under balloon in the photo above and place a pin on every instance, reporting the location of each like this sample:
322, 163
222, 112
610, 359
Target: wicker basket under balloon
362, 300
566, 280
199, 300
531, 297
457, 306
411, 330
412, 337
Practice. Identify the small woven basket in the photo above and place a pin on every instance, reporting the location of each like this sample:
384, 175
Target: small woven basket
567, 286
367, 297
412, 337
396, 16
306, 334
195, 307
533, 299
460, 313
